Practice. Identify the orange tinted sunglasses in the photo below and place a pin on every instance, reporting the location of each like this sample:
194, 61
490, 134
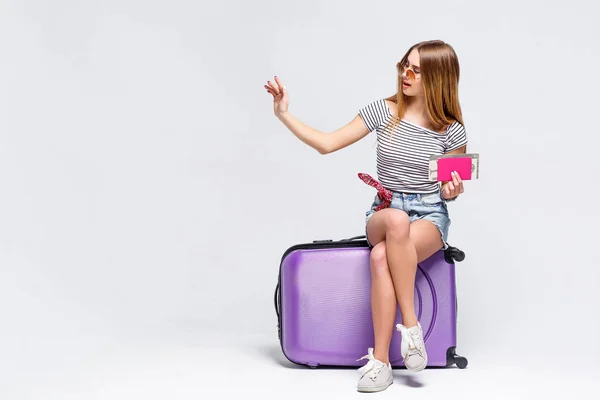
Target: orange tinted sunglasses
410, 74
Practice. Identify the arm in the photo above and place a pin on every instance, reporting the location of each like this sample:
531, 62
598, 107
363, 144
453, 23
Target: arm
324, 143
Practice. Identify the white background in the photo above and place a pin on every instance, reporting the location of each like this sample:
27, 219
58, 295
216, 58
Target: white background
148, 192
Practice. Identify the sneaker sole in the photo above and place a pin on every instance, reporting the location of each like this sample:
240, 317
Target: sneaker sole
373, 389
420, 368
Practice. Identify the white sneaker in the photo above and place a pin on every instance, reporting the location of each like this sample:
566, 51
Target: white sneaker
375, 375
413, 347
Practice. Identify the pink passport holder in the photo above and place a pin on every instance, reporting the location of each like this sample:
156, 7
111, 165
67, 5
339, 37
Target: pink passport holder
441, 166
461, 165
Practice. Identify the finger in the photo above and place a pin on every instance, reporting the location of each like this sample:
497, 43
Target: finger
270, 91
458, 189
273, 86
458, 178
284, 94
279, 84
446, 191
455, 178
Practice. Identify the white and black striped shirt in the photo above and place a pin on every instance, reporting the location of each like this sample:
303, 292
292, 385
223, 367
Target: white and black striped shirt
403, 155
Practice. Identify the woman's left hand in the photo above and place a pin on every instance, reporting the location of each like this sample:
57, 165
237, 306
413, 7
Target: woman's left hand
453, 188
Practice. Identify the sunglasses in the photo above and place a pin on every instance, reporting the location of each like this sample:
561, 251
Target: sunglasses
410, 73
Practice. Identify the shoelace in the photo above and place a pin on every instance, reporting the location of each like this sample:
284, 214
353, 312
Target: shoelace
371, 366
384, 194
409, 338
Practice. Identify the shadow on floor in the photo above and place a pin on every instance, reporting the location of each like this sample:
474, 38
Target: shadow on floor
273, 353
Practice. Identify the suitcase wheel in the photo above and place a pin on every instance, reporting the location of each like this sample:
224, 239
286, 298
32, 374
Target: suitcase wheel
461, 362
453, 358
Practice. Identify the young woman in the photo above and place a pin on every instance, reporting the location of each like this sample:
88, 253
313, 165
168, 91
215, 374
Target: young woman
408, 220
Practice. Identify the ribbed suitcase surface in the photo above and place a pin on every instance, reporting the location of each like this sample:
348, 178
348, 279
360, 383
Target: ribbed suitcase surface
323, 306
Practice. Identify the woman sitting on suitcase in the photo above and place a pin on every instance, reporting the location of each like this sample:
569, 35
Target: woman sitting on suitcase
408, 220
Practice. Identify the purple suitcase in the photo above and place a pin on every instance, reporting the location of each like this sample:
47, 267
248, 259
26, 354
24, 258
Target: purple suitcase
323, 306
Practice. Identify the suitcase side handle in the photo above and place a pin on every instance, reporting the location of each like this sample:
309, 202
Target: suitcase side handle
276, 300
361, 237
351, 239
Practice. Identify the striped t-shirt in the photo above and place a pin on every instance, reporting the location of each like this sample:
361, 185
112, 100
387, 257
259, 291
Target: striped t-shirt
403, 155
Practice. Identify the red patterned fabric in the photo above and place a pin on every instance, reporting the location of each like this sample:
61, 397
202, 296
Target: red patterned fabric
384, 194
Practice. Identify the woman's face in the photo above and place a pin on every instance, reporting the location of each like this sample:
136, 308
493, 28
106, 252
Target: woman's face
410, 75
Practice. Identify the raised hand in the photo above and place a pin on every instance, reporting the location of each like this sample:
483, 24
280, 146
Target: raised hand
280, 96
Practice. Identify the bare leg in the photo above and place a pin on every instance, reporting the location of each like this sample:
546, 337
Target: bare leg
422, 239
383, 302
426, 238
394, 226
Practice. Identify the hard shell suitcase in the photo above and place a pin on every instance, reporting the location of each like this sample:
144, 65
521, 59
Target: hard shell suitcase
323, 306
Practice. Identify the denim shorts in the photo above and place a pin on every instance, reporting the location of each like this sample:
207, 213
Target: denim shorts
429, 206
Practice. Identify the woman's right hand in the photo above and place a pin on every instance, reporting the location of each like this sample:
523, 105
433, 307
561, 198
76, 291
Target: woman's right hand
280, 96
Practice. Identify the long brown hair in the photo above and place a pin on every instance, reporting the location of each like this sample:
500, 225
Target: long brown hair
440, 73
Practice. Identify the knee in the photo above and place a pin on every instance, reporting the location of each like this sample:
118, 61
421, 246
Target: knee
378, 260
398, 225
